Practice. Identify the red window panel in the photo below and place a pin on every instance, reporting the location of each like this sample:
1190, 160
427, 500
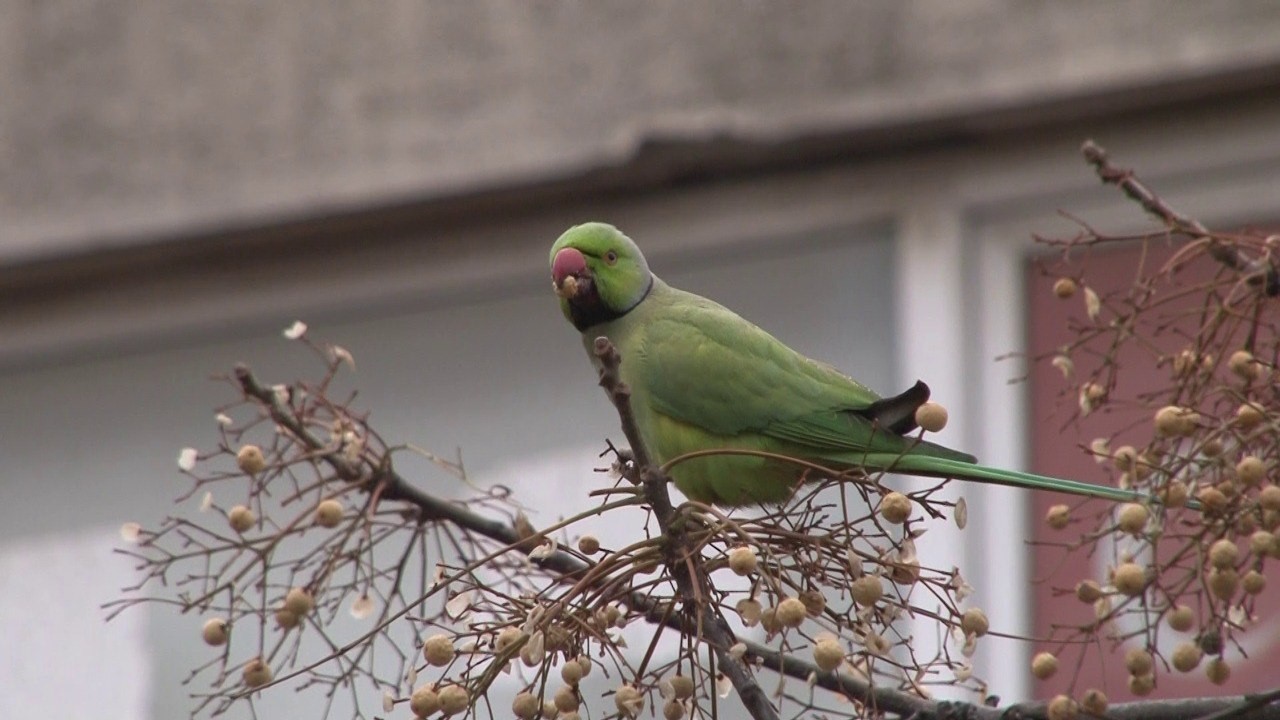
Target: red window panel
1056, 447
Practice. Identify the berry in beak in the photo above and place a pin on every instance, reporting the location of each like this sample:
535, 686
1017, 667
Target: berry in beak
569, 266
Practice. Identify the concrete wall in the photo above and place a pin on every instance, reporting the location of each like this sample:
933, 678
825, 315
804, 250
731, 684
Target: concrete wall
125, 121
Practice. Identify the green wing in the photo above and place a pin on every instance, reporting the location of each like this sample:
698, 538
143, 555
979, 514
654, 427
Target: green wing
704, 365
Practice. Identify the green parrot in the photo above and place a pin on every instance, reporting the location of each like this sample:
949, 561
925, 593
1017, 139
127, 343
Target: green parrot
703, 378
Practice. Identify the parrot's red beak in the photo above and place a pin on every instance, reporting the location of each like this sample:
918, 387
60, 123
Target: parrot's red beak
569, 265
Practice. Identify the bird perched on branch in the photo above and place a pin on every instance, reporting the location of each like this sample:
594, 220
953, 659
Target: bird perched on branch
702, 378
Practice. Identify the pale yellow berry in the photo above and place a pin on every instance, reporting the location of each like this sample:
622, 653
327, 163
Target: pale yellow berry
438, 650
974, 622
250, 459
673, 710
895, 508
286, 620
454, 699
742, 560
525, 706
827, 654
299, 602
1125, 458
1088, 591
1261, 543
241, 518
507, 638
1142, 685
750, 610
571, 673
1223, 554
257, 673
1058, 517
1062, 707
1224, 583
1253, 582
791, 612
329, 513
931, 417
588, 545
1182, 618
1093, 392
1172, 420
629, 701
814, 602
1133, 518
1249, 415
867, 590
1064, 287
1212, 447
1094, 702
585, 663
566, 699
769, 621
1212, 500
1044, 665
1130, 579
1243, 364
425, 701
1269, 497
1250, 470
1186, 657
214, 632
1218, 671
1174, 494
682, 687
1138, 662
905, 573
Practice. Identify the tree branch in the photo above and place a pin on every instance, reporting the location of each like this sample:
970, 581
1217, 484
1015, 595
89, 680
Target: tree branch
1261, 706
691, 584
1258, 272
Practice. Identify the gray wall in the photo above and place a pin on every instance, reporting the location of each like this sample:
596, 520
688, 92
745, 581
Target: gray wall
128, 119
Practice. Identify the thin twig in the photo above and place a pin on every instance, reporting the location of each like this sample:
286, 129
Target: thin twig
677, 547
1261, 706
1258, 272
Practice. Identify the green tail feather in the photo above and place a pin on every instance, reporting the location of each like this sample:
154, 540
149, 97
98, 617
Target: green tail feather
946, 468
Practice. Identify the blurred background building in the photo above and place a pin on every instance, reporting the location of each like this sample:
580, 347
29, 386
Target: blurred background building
181, 181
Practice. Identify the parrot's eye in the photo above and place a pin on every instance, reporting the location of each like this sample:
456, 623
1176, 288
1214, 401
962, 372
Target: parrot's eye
611, 257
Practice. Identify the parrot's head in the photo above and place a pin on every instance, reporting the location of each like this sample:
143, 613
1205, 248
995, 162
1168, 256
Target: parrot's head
599, 274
